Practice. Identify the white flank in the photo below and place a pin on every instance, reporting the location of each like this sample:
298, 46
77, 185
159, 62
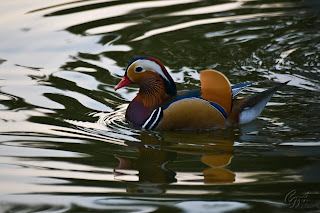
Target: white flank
249, 114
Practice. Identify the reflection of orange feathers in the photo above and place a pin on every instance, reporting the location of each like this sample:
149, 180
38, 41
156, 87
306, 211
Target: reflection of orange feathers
218, 175
216, 87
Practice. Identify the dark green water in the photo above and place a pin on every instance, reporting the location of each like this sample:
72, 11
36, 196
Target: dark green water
64, 143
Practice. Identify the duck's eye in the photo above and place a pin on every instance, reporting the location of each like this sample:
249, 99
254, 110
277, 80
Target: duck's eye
138, 69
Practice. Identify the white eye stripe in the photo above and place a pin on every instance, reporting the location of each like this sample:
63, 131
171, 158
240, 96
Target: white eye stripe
149, 65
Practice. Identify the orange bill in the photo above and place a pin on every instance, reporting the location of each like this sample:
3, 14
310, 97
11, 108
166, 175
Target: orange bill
124, 82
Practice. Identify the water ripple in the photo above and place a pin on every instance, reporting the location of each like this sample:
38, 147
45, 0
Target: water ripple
110, 127
102, 11
66, 146
237, 18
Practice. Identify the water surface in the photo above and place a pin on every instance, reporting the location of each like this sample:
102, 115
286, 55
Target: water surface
66, 147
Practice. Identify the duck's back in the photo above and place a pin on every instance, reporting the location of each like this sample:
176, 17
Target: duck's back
205, 108
191, 113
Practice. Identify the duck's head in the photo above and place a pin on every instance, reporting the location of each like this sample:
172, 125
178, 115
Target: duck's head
148, 73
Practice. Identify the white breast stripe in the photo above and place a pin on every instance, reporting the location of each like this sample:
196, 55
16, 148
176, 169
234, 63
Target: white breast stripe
157, 118
151, 119
148, 120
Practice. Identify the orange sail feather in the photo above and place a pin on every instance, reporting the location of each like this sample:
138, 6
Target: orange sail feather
215, 87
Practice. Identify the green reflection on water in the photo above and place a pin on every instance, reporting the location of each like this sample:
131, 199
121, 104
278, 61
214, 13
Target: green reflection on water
62, 124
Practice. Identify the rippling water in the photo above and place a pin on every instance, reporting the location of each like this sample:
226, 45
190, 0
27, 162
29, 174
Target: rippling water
65, 145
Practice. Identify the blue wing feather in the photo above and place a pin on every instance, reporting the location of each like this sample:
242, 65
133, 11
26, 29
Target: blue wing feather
236, 89
185, 94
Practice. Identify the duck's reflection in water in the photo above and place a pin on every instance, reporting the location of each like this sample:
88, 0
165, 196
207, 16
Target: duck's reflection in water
150, 171
217, 174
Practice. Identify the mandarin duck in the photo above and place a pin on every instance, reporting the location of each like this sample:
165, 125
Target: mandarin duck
159, 106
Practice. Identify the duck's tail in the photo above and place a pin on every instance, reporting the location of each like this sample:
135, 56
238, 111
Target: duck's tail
247, 109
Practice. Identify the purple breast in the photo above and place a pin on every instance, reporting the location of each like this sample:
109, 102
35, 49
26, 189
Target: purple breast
137, 113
